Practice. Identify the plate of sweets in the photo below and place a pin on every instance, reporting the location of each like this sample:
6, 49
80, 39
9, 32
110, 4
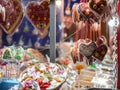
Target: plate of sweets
43, 76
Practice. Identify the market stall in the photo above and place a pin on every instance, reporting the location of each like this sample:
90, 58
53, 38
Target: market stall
59, 45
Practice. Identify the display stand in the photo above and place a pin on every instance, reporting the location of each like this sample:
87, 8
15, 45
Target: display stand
52, 31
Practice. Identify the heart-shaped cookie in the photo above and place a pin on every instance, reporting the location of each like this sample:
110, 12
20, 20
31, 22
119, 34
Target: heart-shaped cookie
85, 11
100, 52
101, 40
39, 14
98, 6
13, 15
87, 49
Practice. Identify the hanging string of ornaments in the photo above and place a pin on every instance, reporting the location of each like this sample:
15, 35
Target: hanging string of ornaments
87, 15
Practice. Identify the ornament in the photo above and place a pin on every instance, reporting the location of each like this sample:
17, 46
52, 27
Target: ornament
26, 27
67, 10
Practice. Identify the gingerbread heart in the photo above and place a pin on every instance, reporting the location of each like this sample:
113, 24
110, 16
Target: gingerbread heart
100, 52
85, 11
39, 14
87, 49
98, 6
101, 40
13, 15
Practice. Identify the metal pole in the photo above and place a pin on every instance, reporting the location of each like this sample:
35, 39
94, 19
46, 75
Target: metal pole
52, 31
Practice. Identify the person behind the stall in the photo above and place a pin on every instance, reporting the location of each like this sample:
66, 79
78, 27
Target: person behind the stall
45, 41
69, 29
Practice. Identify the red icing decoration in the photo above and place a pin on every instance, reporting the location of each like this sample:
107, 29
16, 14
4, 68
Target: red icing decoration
100, 41
43, 85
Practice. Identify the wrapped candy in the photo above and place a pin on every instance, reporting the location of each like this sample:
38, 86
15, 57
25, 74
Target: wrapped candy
19, 53
46, 75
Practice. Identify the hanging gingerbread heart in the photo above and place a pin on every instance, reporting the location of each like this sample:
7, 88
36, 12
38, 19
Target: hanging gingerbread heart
13, 15
82, 12
87, 49
98, 6
100, 52
39, 14
85, 11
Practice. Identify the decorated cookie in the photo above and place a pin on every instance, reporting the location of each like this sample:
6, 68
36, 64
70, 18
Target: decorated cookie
13, 15
39, 14
85, 11
87, 49
100, 52
19, 53
82, 11
98, 6
7, 55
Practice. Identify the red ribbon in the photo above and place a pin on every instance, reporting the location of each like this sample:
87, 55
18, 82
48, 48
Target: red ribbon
118, 57
119, 8
43, 85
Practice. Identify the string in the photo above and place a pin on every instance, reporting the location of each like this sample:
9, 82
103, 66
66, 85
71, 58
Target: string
91, 31
93, 34
86, 22
76, 36
100, 28
76, 39
82, 31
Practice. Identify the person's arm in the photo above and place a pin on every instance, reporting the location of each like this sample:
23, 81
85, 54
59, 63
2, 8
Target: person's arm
43, 34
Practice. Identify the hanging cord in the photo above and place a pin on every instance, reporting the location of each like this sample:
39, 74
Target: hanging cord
99, 28
86, 29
